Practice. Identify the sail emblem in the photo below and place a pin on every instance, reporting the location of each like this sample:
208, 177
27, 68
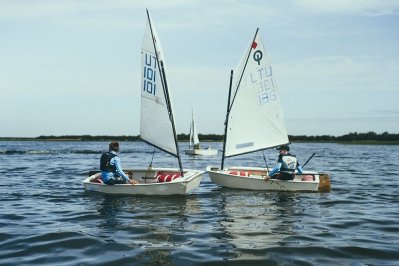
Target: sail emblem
258, 56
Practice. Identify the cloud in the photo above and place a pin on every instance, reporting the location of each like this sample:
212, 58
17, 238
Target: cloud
119, 13
354, 72
27, 8
357, 7
88, 13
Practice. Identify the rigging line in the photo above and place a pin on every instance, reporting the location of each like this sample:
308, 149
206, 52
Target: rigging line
267, 167
308, 160
150, 165
149, 168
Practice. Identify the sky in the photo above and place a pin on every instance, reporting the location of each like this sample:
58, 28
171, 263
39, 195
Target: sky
71, 67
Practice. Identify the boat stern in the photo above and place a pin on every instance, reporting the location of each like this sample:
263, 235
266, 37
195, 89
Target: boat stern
324, 182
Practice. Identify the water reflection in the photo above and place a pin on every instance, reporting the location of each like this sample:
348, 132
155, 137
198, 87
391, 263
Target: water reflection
256, 221
152, 226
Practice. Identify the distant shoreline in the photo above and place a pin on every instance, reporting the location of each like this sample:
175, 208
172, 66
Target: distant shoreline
360, 142
369, 138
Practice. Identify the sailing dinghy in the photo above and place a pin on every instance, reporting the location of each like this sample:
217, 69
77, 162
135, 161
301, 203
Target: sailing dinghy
254, 122
157, 128
194, 145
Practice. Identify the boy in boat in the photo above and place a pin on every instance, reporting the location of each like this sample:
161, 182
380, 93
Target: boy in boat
286, 165
111, 169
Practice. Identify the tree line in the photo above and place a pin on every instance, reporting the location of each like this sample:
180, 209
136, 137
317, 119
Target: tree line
355, 136
369, 136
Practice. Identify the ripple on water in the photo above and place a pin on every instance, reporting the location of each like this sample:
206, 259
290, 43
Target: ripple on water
47, 218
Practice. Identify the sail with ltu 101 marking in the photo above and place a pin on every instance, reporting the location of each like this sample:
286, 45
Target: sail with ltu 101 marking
255, 120
156, 122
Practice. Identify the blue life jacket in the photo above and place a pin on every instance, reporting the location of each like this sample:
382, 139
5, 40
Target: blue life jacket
105, 162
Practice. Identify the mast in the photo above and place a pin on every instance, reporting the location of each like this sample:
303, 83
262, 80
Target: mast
171, 116
227, 120
166, 92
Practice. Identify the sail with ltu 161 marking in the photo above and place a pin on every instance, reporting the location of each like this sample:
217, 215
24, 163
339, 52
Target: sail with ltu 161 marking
156, 123
255, 120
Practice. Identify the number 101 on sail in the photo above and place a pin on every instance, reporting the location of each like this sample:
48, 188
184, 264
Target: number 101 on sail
149, 72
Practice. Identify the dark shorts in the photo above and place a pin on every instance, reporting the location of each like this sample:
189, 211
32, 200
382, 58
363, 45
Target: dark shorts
283, 176
116, 180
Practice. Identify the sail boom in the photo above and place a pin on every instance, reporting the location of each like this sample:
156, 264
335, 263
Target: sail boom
155, 146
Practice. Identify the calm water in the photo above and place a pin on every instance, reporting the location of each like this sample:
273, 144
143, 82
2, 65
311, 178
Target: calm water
46, 218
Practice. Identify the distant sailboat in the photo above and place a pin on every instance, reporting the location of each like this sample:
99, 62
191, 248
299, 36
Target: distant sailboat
254, 122
157, 128
194, 146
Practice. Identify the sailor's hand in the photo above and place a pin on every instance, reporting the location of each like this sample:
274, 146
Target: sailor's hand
267, 178
133, 182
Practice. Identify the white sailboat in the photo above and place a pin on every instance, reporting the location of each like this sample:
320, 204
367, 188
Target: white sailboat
157, 128
254, 122
194, 145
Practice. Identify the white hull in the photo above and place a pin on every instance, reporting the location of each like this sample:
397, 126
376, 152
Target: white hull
149, 184
252, 178
203, 152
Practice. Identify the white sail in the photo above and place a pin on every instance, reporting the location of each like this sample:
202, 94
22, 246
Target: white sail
256, 119
191, 135
194, 130
155, 124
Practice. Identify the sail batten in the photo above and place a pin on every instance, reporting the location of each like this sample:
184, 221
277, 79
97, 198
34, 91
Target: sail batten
255, 120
